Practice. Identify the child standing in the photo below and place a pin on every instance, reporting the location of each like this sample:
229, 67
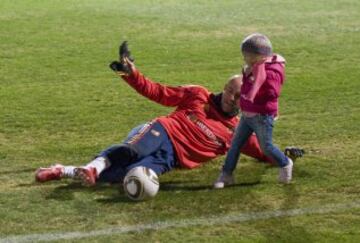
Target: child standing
263, 76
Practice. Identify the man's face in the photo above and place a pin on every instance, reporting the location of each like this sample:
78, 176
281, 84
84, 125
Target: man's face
231, 95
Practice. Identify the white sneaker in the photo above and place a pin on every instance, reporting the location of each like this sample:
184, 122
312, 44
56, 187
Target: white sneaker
285, 173
223, 180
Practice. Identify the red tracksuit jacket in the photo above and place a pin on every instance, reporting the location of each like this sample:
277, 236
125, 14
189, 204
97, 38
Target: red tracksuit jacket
198, 131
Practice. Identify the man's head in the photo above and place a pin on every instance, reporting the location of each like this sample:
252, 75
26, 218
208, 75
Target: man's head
255, 47
231, 94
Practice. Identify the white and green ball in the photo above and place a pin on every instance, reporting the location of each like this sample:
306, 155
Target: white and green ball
141, 183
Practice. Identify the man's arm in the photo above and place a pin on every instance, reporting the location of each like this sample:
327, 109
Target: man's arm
162, 94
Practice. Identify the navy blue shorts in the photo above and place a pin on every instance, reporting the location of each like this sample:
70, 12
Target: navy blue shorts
149, 146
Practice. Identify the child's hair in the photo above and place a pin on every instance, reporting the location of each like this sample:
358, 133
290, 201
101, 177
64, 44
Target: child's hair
257, 44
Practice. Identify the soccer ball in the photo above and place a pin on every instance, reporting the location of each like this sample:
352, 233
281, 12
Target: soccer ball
141, 183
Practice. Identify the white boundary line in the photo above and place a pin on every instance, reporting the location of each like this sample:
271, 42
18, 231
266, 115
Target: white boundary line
202, 221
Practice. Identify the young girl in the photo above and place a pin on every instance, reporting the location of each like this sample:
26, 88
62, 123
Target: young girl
263, 76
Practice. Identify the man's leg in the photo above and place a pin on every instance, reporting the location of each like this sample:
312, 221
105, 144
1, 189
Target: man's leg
122, 155
160, 161
54, 172
141, 143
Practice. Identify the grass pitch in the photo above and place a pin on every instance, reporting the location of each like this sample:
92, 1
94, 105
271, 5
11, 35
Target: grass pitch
60, 102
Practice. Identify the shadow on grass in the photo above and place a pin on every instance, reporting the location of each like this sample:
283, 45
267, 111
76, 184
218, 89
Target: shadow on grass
66, 192
120, 198
26, 170
170, 186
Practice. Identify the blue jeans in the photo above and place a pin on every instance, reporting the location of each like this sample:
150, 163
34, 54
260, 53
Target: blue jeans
146, 145
262, 125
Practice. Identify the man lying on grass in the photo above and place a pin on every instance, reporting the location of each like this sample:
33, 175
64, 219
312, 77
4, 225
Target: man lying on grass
197, 131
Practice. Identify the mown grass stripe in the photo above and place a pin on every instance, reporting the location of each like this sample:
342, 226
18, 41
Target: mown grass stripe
203, 221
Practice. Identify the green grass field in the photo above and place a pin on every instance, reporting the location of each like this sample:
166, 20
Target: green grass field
60, 102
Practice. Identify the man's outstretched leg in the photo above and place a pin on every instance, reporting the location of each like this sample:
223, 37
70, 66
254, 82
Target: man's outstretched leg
141, 142
86, 174
55, 172
90, 172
